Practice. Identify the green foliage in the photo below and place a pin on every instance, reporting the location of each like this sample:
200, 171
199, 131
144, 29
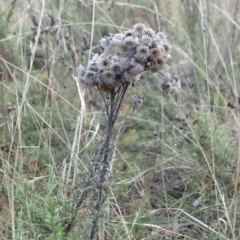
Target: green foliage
40, 215
178, 156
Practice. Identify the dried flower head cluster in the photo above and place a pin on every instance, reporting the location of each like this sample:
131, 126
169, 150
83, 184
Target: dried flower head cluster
125, 56
137, 101
171, 84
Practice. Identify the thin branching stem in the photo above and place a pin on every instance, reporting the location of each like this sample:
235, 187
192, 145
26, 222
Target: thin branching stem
105, 153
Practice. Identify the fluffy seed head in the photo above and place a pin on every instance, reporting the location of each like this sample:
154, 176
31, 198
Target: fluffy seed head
125, 56
108, 77
167, 47
136, 69
142, 53
104, 42
93, 67
146, 40
171, 84
129, 33
116, 68
154, 53
81, 72
143, 50
161, 35
138, 28
159, 65
116, 42
90, 78
104, 63
160, 61
94, 58
129, 42
149, 32
118, 36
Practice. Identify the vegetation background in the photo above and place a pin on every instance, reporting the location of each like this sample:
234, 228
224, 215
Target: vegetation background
177, 160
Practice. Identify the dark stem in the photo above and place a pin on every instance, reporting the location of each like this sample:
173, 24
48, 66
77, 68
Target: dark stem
105, 153
102, 162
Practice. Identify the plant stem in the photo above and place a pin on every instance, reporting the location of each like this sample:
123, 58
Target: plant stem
116, 98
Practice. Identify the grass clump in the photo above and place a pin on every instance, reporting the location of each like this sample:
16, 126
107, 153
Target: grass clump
175, 168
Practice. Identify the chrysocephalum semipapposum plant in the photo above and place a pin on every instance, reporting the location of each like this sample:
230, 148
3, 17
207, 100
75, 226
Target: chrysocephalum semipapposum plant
125, 56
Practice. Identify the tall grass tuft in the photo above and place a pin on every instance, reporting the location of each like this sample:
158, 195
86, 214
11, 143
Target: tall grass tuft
173, 173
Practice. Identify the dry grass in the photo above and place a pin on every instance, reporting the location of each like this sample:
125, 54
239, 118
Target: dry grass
177, 162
